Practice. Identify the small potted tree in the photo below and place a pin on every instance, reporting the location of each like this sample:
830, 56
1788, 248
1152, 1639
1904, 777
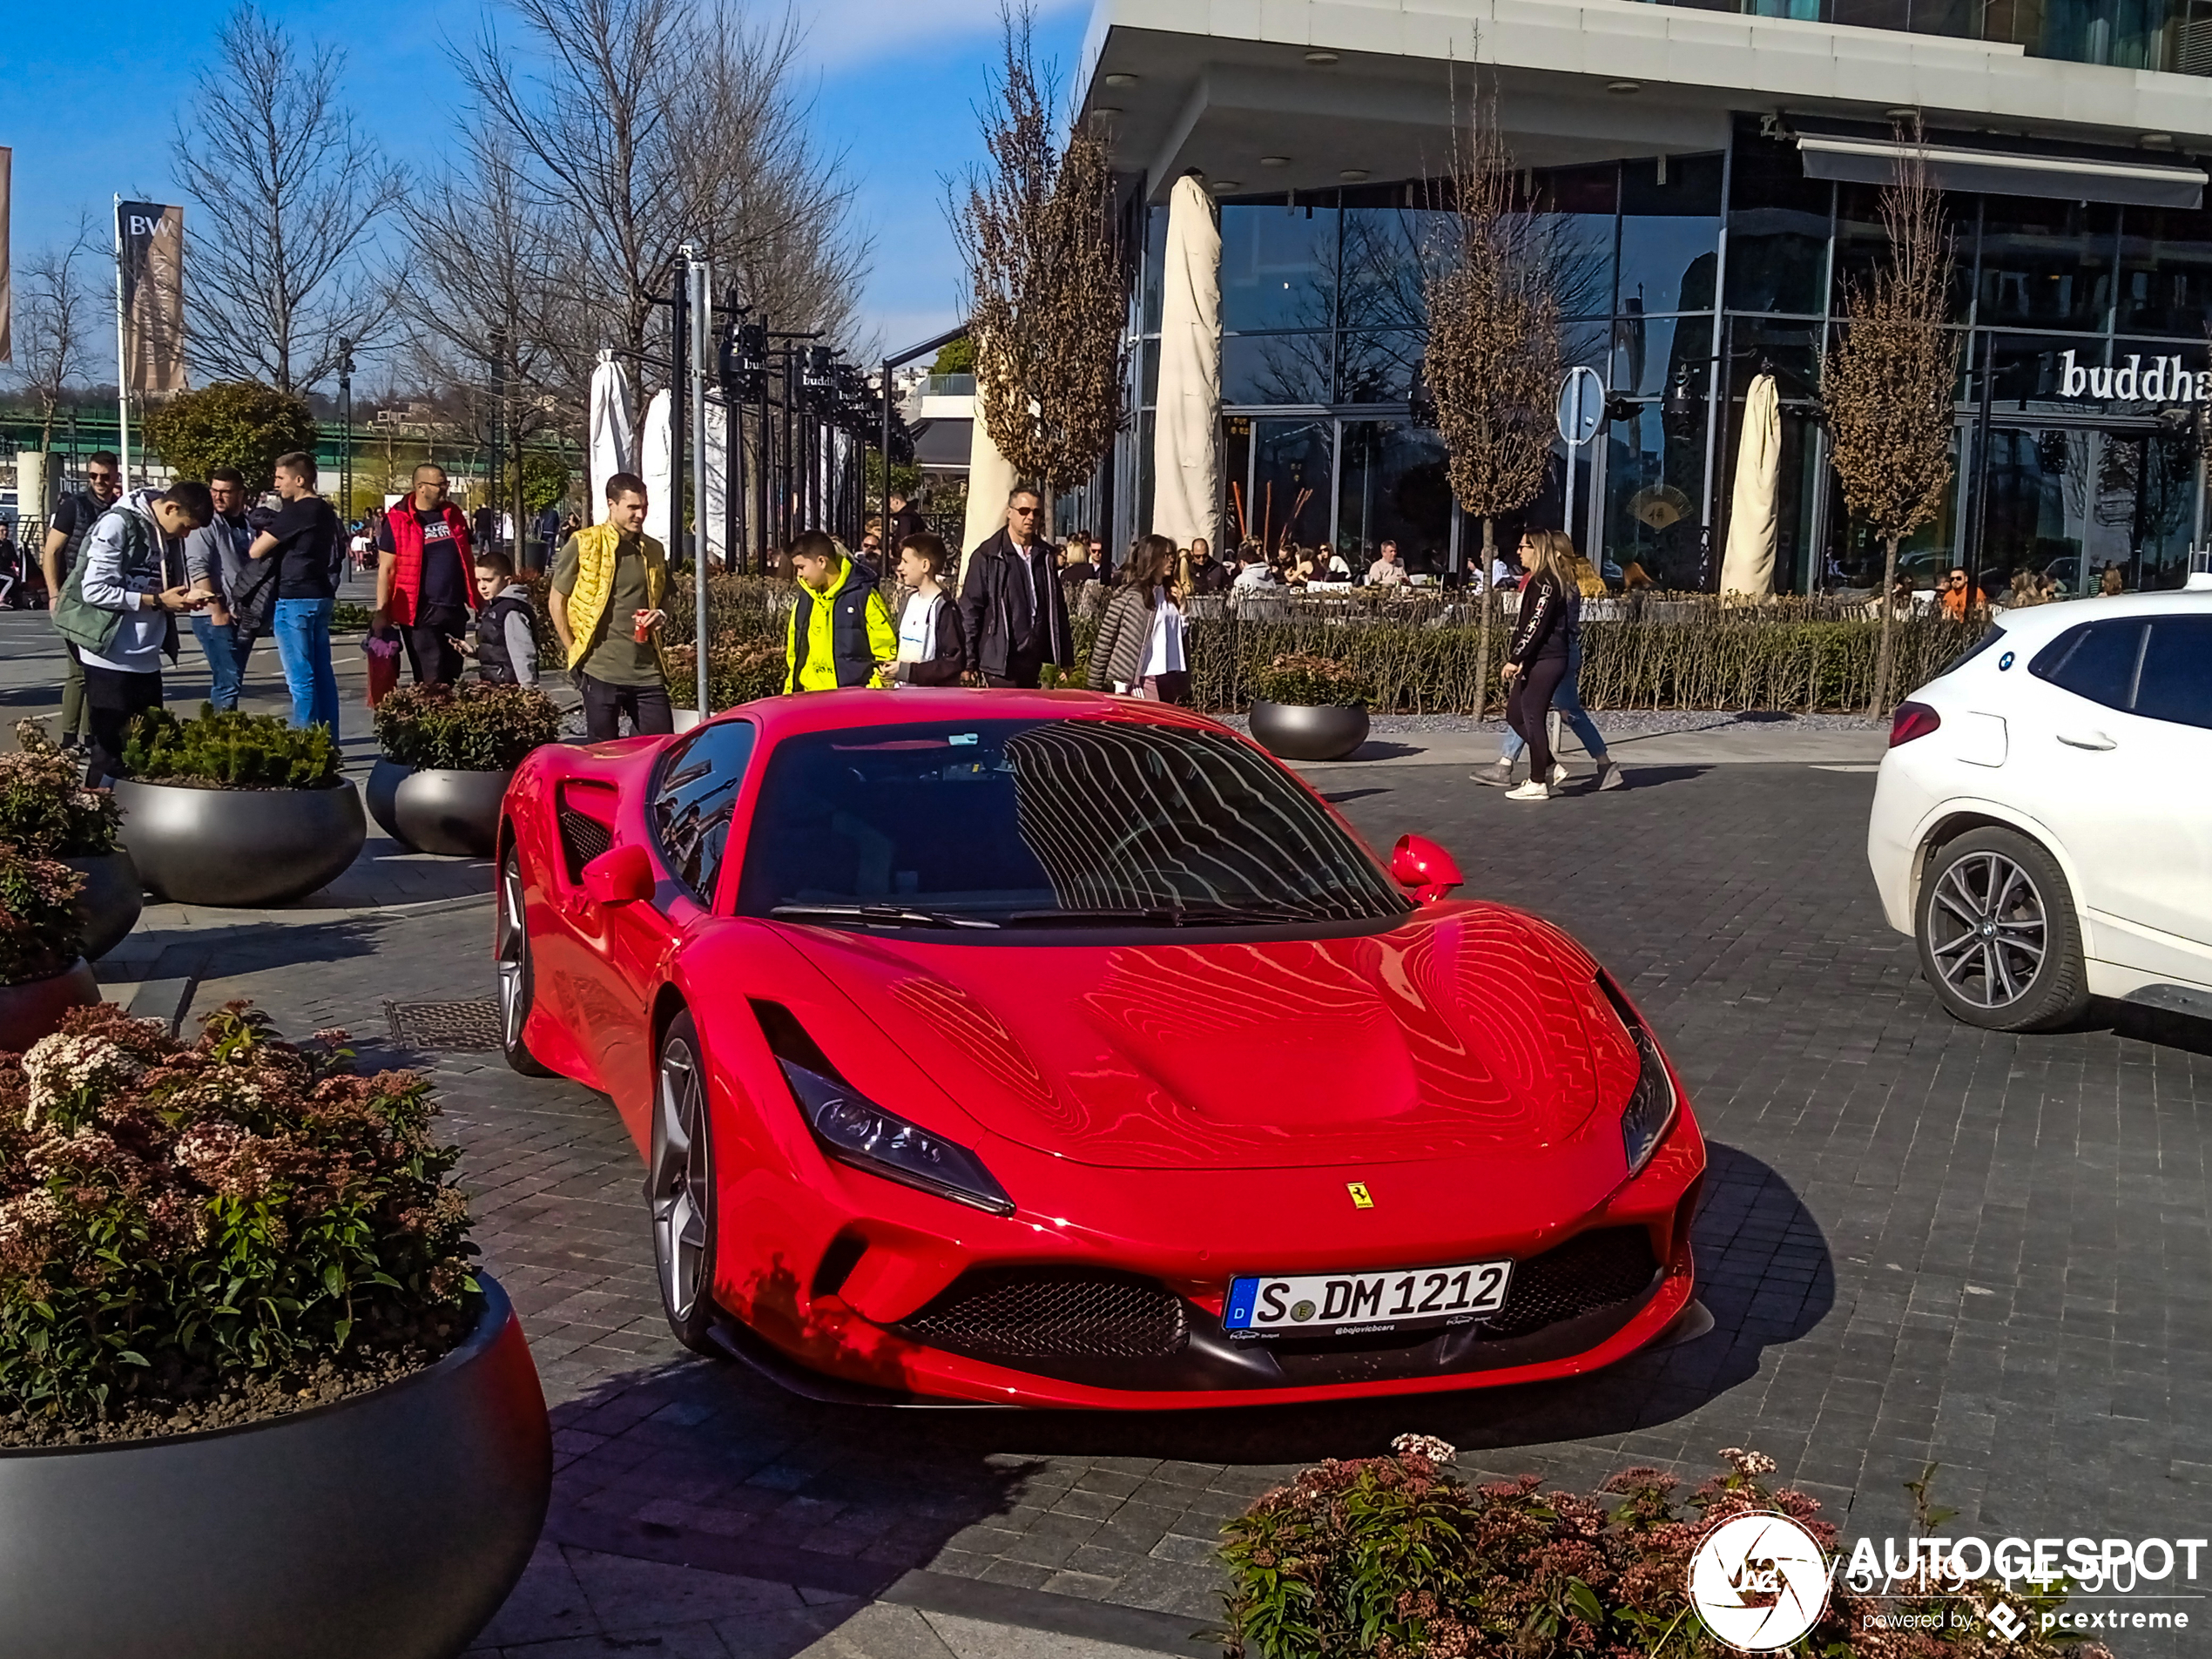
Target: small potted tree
448, 751
42, 975
1309, 707
236, 809
47, 812
253, 1401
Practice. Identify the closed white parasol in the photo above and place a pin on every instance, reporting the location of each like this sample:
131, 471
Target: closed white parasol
612, 441
1186, 440
1748, 566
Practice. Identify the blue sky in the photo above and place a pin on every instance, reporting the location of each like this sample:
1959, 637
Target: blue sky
95, 92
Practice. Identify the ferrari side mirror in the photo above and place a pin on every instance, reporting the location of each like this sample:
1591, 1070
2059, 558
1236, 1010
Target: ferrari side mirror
622, 876
1418, 863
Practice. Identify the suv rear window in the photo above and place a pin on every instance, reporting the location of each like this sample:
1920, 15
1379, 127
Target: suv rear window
2099, 660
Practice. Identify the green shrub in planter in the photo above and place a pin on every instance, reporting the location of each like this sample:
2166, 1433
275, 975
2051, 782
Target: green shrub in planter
739, 670
1312, 680
46, 810
1395, 1557
470, 727
193, 1235
229, 749
38, 918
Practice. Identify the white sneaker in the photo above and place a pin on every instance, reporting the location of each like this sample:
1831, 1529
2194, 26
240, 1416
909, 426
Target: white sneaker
1533, 789
1560, 774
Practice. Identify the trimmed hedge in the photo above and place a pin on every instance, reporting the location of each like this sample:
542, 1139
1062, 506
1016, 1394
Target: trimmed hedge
1419, 656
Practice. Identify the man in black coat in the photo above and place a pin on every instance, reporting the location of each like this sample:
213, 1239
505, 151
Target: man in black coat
1015, 614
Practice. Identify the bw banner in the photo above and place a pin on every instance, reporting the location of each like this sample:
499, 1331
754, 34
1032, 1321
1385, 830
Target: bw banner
152, 239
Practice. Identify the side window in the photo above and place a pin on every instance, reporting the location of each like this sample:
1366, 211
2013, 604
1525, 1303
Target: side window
2099, 660
695, 792
2176, 681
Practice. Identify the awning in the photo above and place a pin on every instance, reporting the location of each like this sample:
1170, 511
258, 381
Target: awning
2004, 172
941, 446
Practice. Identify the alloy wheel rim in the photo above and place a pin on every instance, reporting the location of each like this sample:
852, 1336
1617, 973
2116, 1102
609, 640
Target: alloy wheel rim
678, 1175
507, 953
1988, 930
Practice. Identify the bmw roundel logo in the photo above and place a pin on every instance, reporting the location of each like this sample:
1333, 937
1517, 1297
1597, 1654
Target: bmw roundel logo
2005, 662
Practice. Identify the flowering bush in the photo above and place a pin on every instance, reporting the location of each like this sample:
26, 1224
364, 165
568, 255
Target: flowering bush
179, 1221
471, 727
46, 811
38, 919
1395, 1557
1312, 680
230, 749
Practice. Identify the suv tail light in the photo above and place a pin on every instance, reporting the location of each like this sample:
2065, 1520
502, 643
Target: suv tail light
1912, 720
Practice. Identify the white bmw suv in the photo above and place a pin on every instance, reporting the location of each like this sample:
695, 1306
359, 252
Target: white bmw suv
2042, 824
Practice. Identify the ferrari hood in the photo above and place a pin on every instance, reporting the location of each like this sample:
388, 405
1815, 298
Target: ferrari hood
1466, 1028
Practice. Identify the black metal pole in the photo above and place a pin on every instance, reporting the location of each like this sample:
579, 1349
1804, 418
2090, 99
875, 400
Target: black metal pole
493, 490
888, 550
1981, 464
783, 491
679, 346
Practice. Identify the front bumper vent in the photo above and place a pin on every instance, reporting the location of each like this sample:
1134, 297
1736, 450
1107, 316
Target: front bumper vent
1017, 1313
1591, 1270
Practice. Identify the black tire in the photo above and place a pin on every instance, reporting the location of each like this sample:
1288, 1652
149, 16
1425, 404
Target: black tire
1999, 939
517, 979
679, 1189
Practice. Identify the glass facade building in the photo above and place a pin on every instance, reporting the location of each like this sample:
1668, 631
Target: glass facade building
2081, 325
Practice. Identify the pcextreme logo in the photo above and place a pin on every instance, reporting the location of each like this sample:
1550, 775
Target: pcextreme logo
1759, 1581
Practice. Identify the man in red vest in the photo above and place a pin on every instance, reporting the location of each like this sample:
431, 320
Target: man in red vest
424, 586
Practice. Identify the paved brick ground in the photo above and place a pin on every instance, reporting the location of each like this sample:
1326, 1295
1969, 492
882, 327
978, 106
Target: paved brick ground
1921, 1244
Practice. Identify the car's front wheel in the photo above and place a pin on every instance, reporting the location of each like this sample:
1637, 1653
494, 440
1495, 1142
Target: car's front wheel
511, 952
679, 1187
1999, 939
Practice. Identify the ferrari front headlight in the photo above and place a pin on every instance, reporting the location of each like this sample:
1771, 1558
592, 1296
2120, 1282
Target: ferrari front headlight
1651, 1103
854, 1129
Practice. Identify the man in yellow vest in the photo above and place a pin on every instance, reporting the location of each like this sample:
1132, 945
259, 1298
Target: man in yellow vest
608, 581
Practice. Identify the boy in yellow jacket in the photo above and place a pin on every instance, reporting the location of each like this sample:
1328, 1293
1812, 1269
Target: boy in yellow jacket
841, 630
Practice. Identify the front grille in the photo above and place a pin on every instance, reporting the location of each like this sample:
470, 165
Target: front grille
1051, 1313
584, 838
1589, 1271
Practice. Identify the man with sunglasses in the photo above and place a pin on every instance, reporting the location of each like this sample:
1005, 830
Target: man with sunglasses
1961, 598
1016, 616
74, 516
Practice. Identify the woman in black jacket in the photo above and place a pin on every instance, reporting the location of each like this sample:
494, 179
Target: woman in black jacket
933, 646
1544, 633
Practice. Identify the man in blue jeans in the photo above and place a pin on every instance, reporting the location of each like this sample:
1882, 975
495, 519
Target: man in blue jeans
307, 542
239, 594
1569, 701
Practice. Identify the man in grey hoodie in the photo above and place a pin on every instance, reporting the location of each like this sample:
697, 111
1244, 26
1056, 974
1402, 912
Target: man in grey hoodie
239, 593
121, 606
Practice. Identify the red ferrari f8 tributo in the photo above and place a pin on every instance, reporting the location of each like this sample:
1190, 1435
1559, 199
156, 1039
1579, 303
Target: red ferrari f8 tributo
1057, 1049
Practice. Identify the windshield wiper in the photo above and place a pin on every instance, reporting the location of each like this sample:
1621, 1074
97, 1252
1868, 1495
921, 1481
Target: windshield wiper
901, 915
1175, 915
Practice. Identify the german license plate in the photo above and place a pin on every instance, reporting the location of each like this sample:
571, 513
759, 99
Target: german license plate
1356, 1303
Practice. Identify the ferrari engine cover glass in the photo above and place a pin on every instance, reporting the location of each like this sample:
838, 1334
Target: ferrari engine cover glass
1044, 823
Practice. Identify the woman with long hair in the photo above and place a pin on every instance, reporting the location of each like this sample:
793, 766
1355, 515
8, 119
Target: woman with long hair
1536, 656
1140, 644
1568, 699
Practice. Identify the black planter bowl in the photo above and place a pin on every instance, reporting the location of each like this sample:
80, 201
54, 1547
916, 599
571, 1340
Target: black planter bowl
455, 813
1305, 731
240, 848
387, 1527
32, 1010
108, 907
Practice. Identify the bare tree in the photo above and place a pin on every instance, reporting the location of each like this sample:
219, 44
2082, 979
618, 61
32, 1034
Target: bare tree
1494, 343
1046, 283
1885, 383
58, 319
289, 195
609, 133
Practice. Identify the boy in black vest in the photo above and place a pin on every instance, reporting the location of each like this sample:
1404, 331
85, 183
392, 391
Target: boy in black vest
506, 644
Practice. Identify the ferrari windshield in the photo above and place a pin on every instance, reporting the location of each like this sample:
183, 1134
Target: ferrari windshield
1046, 823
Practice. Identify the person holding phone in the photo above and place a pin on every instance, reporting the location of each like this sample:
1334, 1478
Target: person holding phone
121, 606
